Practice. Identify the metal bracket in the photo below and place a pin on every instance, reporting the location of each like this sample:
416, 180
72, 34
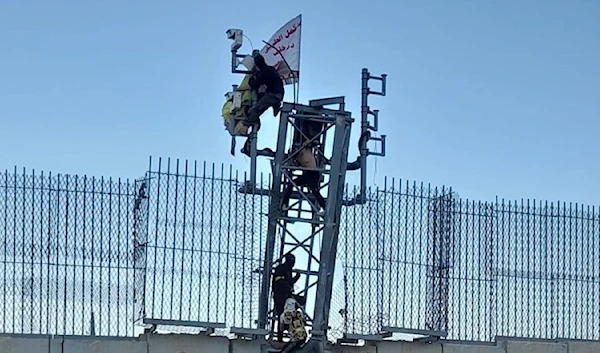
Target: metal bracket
209, 327
375, 113
235, 63
410, 331
249, 332
320, 103
368, 338
382, 140
383, 79
427, 339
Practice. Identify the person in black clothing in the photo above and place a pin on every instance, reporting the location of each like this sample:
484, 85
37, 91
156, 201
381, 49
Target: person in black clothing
283, 282
283, 286
268, 76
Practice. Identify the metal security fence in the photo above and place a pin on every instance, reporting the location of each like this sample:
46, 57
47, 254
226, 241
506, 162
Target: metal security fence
84, 255
203, 246
185, 244
418, 258
65, 264
387, 245
546, 270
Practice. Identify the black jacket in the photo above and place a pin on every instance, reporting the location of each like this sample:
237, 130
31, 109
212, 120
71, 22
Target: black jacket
269, 77
283, 282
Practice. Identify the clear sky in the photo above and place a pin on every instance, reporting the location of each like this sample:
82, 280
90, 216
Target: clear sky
489, 97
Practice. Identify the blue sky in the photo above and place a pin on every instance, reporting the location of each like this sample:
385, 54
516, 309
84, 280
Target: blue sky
489, 97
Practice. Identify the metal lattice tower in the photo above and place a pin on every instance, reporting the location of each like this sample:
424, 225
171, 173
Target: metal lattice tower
299, 229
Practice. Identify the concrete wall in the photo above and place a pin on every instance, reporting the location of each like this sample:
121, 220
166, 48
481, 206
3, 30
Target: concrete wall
203, 344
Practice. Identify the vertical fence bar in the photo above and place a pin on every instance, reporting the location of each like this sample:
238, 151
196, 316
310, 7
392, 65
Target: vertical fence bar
174, 245
75, 253
210, 236
219, 241
165, 237
5, 246
109, 260
546, 276
202, 211
14, 250
183, 226
381, 255
66, 253
194, 233
130, 250
102, 254
155, 240
228, 232
492, 248
41, 240
236, 255
401, 260
56, 246
596, 234
118, 259
589, 305
22, 255
573, 267
33, 252
49, 254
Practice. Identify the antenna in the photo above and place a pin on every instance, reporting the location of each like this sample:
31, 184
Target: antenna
367, 128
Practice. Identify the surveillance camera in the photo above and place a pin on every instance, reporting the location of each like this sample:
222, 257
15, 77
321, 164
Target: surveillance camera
237, 36
232, 32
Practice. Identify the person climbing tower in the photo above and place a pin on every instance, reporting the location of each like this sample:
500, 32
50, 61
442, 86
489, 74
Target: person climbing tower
309, 178
272, 97
283, 287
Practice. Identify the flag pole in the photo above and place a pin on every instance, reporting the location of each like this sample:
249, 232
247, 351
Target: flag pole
296, 98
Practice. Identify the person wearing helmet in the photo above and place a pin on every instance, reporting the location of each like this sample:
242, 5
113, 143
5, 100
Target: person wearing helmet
269, 77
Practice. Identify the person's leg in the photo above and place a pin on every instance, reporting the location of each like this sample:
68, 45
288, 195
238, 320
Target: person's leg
292, 346
313, 184
279, 305
256, 111
301, 180
287, 193
277, 104
320, 200
268, 100
246, 149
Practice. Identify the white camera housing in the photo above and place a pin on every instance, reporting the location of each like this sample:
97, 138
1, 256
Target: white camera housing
237, 36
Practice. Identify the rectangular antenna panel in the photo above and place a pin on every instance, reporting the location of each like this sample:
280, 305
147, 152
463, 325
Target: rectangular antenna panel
248, 62
237, 101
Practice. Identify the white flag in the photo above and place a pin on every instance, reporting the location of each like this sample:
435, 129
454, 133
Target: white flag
285, 43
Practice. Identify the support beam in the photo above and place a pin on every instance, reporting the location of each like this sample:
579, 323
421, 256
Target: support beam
274, 214
411, 331
332, 218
